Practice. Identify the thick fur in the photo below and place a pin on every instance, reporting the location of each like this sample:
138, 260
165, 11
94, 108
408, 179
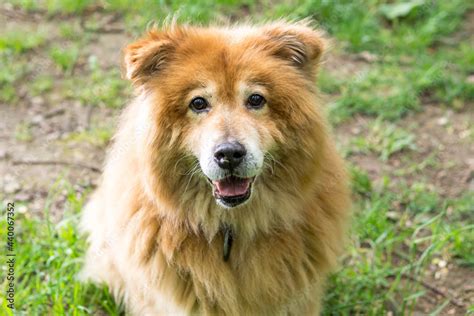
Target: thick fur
153, 225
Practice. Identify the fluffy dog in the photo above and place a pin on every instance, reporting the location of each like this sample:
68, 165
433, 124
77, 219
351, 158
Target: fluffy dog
222, 193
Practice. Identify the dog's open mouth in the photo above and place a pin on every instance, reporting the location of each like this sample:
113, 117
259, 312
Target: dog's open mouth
232, 191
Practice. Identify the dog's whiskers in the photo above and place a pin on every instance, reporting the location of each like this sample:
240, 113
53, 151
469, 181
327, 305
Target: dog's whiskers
177, 162
193, 171
285, 168
268, 163
276, 162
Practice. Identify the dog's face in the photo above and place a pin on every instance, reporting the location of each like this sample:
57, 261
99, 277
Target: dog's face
228, 97
230, 134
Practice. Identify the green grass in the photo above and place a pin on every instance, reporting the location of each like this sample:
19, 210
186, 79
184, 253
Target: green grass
365, 25
407, 69
13, 44
64, 57
23, 132
21, 41
10, 73
70, 31
41, 84
393, 239
54, 6
384, 139
98, 136
391, 90
105, 87
49, 257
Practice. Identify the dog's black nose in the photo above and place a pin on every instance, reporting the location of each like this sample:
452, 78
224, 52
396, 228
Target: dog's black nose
229, 155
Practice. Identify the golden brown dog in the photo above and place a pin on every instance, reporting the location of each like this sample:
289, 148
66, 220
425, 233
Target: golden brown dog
223, 193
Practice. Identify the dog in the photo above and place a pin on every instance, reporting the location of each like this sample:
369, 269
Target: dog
222, 193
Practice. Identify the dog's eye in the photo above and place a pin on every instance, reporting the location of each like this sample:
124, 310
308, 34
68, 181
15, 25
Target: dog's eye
199, 105
256, 101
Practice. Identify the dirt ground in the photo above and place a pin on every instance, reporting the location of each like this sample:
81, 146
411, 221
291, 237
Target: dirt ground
440, 133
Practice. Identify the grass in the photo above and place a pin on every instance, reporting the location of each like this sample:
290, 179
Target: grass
365, 25
49, 256
402, 229
105, 87
20, 42
407, 69
64, 57
13, 44
391, 90
10, 73
391, 245
23, 132
384, 139
41, 84
97, 136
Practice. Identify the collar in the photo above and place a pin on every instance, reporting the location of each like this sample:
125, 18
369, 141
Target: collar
228, 240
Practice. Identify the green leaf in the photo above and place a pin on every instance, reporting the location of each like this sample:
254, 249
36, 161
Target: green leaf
397, 10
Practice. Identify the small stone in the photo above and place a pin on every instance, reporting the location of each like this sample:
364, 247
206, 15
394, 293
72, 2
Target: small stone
355, 130
470, 162
53, 135
22, 209
465, 134
37, 101
442, 121
37, 119
393, 215
11, 186
4, 154
368, 57
23, 197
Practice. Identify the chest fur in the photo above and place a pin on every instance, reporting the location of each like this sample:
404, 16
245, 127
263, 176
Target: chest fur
265, 275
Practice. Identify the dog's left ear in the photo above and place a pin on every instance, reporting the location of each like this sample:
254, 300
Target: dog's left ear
298, 43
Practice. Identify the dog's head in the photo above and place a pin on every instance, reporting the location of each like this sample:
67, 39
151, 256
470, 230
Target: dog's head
229, 97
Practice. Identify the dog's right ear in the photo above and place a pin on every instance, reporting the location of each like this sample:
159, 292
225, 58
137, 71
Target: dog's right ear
147, 56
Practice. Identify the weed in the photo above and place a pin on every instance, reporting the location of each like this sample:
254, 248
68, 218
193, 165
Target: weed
41, 84
67, 6
361, 183
98, 136
19, 42
104, 87
23, 132
65, 58
384, 139
10, 73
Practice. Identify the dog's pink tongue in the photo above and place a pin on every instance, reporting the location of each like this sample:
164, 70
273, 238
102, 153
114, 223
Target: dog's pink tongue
232, 186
